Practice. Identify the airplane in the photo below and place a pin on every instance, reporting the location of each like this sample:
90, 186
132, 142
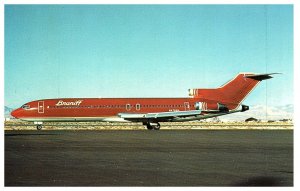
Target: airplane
201, 104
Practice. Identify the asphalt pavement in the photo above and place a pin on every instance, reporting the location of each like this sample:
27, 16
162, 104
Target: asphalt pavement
149, 158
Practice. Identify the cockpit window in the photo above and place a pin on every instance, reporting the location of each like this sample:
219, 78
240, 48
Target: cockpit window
25, 106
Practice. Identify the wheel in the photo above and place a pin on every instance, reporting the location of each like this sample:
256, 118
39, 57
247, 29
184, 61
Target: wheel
149, 127
156, 127
39, 127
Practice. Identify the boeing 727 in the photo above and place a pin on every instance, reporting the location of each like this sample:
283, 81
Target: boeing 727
202, 104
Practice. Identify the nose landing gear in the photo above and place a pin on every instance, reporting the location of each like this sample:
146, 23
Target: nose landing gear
39, 127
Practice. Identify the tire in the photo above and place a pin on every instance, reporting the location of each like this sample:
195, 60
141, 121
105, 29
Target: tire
156, 127
39, 127
149, 127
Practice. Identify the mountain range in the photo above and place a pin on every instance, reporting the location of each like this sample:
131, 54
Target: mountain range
7, 111
262, 112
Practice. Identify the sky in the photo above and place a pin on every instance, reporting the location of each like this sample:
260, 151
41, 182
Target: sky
57, 51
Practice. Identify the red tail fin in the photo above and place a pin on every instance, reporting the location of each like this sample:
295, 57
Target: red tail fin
234, 91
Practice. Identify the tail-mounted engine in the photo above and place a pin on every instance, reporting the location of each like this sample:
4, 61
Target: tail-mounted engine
213, 107
245, 108
199, 105
222, 108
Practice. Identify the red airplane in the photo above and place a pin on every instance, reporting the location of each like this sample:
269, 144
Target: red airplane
202, 104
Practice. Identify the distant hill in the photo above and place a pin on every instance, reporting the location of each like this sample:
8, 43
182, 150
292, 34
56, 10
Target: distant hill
260, 112
7, 111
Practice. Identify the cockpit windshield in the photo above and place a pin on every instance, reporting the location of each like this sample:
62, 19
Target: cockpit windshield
25, 106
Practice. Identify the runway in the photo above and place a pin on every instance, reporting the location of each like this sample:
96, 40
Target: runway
149, 158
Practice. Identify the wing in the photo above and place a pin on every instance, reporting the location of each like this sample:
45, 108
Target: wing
178, 116
160, 116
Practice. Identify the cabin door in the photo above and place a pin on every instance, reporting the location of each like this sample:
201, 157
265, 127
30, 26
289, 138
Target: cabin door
41, 107
186, 106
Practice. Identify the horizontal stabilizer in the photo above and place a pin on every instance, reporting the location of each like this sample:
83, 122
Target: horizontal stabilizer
261, 77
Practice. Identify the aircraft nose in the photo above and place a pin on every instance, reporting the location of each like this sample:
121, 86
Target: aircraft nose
15, 113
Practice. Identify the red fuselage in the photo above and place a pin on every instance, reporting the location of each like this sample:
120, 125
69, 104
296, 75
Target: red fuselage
83, 108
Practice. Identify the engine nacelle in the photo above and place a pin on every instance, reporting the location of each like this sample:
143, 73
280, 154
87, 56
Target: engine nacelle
245, 108
211, 106
222, 108
198, 105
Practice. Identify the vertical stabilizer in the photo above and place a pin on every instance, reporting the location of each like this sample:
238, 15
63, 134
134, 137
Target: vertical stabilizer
234, 91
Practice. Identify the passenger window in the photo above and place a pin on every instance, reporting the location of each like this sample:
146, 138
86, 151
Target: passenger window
128, 107
138, 106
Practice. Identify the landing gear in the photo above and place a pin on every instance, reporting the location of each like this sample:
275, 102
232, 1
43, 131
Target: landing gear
150, 126
39, 127
156, 127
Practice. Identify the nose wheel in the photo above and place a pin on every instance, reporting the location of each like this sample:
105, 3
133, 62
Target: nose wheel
39, 127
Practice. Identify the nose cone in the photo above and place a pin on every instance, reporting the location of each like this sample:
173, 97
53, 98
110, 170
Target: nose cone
16, 113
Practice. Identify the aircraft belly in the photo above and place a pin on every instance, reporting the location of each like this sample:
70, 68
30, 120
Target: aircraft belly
73, 119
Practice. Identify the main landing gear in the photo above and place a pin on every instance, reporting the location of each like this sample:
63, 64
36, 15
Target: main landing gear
151, 126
